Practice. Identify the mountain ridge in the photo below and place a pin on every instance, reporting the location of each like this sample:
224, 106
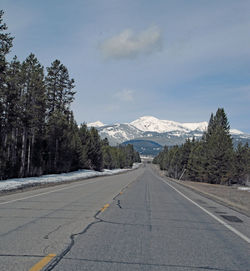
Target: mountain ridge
152, 124
163, 132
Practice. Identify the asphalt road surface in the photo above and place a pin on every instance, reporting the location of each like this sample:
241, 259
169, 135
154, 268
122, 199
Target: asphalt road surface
145, 223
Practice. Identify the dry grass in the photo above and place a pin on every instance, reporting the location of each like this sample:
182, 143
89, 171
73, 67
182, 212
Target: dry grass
227, 195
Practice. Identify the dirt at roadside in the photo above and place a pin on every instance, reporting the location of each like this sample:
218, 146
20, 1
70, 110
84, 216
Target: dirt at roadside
227, 195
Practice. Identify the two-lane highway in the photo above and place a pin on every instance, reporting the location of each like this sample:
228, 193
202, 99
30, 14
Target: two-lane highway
152, 224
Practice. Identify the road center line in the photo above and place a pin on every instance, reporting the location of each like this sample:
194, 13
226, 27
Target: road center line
49, 192
38, 266
242, 236
104, 207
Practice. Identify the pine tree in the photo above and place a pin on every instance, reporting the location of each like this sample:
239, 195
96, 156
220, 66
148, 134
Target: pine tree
12, 122
60, 95
95, 150
59, 88
208, 160
84, 135
107, 157
33, 106
5, 46
196, 167
241, 163
219, 149
75, 146
57, 143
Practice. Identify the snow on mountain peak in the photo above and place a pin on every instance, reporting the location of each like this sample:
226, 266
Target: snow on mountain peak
171, 132
96, 124
236, 132
152, 124
147, 125
202, 126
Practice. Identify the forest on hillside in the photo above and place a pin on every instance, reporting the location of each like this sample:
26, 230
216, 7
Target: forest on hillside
38, 132
213, 159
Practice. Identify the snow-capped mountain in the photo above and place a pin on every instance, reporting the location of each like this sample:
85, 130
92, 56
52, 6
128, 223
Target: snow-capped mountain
236, 132
152, 124
119, 133
163, 132
95, 124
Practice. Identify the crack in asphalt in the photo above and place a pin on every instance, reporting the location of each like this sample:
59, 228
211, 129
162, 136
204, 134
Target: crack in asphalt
58, 258
119, 204
48, 234
34, 220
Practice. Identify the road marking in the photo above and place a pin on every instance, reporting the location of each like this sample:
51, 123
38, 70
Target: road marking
241, 235
46, 193
38, 266
104, 207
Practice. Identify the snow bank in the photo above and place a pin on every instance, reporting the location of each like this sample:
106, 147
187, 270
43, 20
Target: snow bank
11, 184
243, 188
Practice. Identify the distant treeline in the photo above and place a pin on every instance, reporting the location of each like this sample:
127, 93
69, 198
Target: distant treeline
38, 132
213, 159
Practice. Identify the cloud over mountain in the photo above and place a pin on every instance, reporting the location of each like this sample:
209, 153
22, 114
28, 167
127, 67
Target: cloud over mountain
128, 44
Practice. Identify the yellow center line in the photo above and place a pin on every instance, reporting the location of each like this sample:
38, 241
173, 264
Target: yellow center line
104, 207
42, 263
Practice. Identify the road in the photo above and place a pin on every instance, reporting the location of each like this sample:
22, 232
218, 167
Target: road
40, 222
145, 223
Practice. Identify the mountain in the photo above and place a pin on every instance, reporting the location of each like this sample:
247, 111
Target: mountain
163, 132
152, 124
119, 133
96, 124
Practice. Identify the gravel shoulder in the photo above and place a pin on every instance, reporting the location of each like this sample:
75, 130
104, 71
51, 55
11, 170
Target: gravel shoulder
229, 196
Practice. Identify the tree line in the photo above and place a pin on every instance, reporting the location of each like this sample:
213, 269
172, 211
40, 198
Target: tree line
38, 132
212, 159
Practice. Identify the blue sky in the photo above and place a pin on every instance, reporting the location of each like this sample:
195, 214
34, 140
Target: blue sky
176, 60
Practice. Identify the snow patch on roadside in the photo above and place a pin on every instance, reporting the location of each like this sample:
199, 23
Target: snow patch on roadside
11, 184
243, 188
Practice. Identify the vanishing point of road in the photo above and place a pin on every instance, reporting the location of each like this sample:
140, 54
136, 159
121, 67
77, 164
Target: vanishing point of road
131, 221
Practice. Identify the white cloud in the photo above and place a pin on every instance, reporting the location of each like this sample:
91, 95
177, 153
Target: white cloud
126, 95
127, 44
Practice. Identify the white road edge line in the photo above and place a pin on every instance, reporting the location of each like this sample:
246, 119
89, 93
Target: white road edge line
242, 236
45, 193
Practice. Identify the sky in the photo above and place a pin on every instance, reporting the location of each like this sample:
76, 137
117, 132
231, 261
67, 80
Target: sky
172, 59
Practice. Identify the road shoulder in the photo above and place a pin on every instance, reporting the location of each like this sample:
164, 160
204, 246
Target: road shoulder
226, 195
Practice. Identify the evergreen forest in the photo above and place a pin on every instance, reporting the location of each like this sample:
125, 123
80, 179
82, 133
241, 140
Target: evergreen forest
212, 159
38, 132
